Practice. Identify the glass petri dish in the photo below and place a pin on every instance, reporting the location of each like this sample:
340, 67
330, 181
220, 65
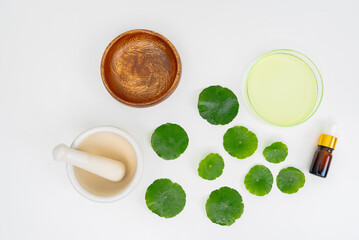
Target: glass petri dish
283, 87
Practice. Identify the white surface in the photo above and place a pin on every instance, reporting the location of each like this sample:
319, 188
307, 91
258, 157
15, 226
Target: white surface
51, 91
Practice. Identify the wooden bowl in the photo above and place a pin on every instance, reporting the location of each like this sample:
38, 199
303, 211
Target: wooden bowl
140, 68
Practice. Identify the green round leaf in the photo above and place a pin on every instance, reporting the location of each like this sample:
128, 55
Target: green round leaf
259, 180
290, 179
239, 142
165, 198
275, 153
169, 141
224, 206
211, 167
218, 105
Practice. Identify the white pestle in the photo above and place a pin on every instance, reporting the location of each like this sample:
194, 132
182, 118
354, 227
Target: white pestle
104, 167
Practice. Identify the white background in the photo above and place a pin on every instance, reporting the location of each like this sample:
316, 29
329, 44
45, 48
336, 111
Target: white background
51, 91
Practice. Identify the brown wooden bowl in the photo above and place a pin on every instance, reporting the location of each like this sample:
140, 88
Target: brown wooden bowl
140, 68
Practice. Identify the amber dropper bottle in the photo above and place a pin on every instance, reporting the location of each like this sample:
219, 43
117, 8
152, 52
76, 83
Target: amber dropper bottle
323, 156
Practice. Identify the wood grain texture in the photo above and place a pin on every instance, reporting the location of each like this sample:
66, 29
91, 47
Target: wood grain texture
140, 68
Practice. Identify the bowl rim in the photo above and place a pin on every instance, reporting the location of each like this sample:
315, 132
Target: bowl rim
157, 100
312, 67
136, 178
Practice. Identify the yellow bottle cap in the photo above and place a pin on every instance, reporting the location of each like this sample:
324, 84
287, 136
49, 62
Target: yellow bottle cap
327, 141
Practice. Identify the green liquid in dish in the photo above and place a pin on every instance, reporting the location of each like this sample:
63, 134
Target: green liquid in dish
282, 89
